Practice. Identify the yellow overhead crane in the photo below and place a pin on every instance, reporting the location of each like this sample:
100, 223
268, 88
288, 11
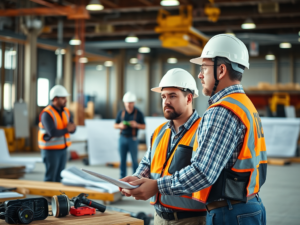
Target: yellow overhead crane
177, 32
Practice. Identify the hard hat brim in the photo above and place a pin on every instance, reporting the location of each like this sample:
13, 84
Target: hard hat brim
158, 90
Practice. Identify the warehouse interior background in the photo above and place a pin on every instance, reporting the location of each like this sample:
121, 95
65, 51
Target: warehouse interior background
98, 54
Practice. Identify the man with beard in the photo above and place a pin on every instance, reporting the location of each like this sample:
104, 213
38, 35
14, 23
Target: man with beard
173, 144
54, 133
230, 165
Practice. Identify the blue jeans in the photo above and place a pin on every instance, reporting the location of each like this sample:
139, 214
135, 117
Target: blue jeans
251, 213
55, 162
128, 144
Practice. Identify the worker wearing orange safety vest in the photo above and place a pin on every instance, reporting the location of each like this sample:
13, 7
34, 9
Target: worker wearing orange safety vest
230, 164
55, 127
173, 145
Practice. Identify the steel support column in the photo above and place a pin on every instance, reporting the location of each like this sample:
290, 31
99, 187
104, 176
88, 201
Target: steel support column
30, 76
68, 81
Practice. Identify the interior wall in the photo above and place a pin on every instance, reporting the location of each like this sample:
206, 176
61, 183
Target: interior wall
95, 85
47, 66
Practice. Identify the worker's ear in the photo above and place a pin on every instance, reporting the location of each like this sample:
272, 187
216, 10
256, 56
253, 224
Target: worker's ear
190, 98
222, 71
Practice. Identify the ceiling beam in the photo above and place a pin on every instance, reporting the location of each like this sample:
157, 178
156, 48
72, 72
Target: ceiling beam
76, 12
146, 2
48, 4
207, 28
134, 9
228, 3
110, 3
147, 19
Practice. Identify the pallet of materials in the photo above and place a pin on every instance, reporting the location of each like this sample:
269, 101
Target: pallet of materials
11, 171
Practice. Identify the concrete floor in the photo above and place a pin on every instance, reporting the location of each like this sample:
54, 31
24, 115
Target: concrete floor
280, 193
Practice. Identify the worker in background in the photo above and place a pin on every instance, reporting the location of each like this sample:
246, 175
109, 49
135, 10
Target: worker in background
173, 144
230, 165
129, 121
54, 133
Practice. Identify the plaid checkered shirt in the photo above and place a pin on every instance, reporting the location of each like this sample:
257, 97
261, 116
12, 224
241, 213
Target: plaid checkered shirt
220, 138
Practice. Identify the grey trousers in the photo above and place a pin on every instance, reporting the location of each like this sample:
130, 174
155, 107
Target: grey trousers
55, 162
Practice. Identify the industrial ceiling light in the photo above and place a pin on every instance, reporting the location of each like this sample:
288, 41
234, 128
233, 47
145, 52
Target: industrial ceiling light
83, 60
298, 39
144, 50
60, 51
169, 2
131, 39
285, 45
108, 63
133, 60
75, 41
94, 5
138, 67
270, 56
248, 24
99, 67
172, 60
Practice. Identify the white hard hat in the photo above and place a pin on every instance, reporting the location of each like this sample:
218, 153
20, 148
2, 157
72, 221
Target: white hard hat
129, 97
225, 45
58, 91
178, 78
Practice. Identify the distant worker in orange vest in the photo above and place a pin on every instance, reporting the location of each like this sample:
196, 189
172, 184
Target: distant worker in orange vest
173, 145
129, 121
230, 165
54, 133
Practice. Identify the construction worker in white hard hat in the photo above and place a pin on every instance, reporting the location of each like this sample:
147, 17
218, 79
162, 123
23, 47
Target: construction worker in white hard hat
230, 165
173, 145
55, 127
129, 121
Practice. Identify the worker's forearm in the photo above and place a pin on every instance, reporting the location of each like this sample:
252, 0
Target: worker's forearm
141, 126
117, 126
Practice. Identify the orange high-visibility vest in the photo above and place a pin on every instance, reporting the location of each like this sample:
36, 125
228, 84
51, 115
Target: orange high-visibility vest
160, 166
60, 122
252, 158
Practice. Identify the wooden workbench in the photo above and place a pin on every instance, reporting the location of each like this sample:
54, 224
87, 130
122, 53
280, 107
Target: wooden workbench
111, 218
50, 189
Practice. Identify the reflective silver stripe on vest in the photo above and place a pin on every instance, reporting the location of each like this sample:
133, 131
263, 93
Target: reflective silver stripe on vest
42, 131
157, 140
172, 200
68, 139
254, 161
154, 176
181, 202
53, 116
65, 112
53, 142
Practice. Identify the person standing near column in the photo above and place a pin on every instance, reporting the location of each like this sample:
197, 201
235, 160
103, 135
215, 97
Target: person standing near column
129, 121
54, 133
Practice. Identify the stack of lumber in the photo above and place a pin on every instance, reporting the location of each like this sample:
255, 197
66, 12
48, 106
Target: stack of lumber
11, 171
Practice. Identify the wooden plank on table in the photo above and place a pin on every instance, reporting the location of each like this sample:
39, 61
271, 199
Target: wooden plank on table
107, 218
279, 161
295, 160
53, 188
